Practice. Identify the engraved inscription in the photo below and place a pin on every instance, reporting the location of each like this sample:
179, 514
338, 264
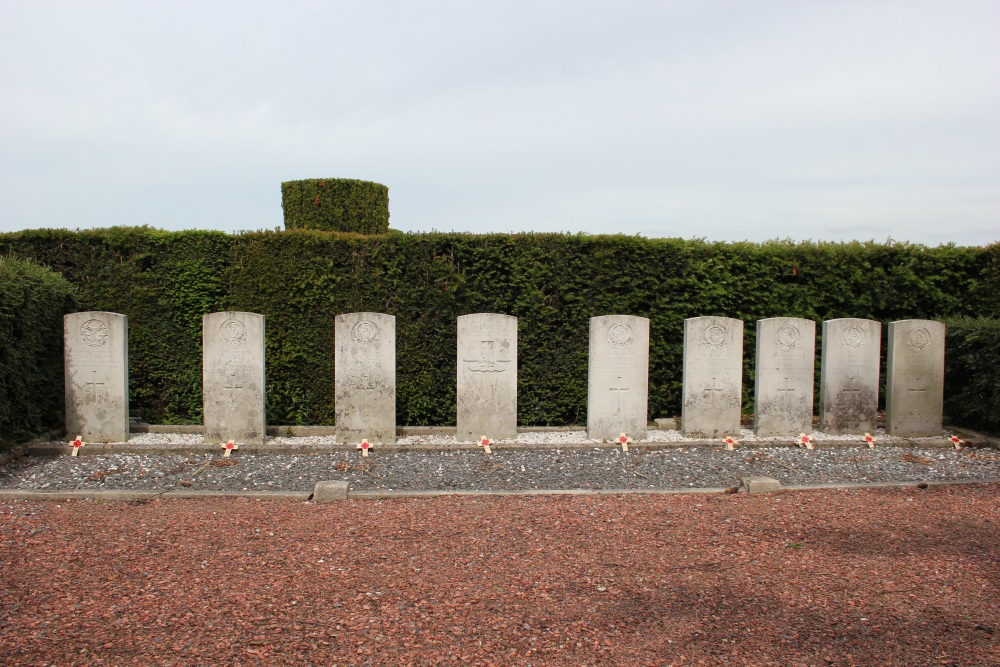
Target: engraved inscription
715, 336
919, 339
365, 333
233, 332
787, 337
620, 335
854, 338
94, 333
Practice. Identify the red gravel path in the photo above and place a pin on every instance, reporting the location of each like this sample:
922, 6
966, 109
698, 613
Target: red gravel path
892, 577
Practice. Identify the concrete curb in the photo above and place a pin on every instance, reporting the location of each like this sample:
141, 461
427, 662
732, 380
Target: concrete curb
31, 494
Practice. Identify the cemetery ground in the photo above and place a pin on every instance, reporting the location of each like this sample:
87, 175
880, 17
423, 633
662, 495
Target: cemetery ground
825, 577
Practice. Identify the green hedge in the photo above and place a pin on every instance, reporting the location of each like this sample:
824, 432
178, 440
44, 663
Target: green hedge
972, 383
336, 205
300, 280
33, 301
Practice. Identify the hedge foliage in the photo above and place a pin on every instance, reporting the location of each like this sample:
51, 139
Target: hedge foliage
336, 205
33, 301
300, 280
972, 383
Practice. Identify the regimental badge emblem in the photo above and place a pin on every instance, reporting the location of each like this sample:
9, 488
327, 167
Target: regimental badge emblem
919, 339
854, 338
620, 335
715, 336
233, 332
787, 338
365, 333
94, 333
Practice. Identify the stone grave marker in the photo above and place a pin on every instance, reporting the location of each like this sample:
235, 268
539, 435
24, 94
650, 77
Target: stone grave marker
233, 377
783, 388
365, 378
849, 368
914, 398
713, 377
618, 378
487, 376
95, 347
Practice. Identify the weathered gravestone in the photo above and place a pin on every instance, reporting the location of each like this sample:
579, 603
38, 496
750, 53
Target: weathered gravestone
618, 378
95, 346
366, 378
914, 400
849, 368
487, 376
233, 377
713, 376
783, 385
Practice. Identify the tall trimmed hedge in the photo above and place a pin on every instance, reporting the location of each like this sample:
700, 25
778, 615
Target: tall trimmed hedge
972, 382
553, 283
33, 301
336, 205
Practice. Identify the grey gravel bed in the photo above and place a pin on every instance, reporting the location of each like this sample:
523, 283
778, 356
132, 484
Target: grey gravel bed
682, 468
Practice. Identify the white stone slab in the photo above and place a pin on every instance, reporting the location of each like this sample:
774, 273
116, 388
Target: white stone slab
95, 346
618, 378
233, 377
914, 399
366, 378
487, 376
713, 377
783, 385
849, 370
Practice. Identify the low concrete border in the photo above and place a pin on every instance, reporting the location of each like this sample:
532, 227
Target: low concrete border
31, 494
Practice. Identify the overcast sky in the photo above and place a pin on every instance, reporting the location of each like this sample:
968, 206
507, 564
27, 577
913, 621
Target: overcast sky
832, 120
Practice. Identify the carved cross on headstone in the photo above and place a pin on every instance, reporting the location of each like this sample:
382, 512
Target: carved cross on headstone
366, 386
619, 389
486, 365
95, 392
714, 392
785, 392
852, 387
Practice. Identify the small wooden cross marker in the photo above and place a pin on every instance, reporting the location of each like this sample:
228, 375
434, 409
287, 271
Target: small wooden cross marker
624, 440
76, 445
364, 446
731, 444
229, 447
955, 441
806, 440
870, 439
485, 443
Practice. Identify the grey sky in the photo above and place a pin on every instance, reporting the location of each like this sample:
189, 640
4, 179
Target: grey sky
725, 120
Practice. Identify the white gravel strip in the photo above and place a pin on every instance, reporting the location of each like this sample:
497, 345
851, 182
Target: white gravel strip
529, 438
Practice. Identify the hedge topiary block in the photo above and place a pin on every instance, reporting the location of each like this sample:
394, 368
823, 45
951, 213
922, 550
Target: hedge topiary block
336, 205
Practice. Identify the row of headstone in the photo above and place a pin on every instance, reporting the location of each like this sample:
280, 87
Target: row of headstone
96, 349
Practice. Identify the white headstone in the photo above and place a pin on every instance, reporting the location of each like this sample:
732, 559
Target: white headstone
713, 377
95, 346
618, 378
366, 378
487, 376
849, 368
914, 399
783, 385
233, 377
